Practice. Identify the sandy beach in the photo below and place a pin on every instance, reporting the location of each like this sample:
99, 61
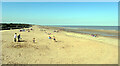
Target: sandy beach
70, 48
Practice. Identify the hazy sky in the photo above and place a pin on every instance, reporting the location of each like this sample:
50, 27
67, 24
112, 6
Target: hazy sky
63, 13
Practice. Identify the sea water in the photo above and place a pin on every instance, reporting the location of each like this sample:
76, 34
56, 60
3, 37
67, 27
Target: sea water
112, 28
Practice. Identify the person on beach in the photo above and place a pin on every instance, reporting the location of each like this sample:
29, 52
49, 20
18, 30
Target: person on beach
33, 40
15, 36
28, 30
19, 38
21, 30
54, 39
49, 37
24, 30
49, 33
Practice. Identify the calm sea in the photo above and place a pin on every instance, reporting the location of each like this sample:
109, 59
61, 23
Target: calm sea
115, 28
94, 27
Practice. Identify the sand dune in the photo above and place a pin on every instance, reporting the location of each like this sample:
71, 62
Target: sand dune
70, 48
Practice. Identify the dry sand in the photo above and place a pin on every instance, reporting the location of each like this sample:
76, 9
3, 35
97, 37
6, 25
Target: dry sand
70, 48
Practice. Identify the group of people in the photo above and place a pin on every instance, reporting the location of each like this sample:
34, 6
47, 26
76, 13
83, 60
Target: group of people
15, 37
52, 38
23, 30
56, 31
29, 30
19, 37
94, 35
48, 38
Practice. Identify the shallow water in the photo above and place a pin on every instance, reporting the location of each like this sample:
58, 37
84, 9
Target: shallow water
115, 28
94, 27
74, 28
100, 33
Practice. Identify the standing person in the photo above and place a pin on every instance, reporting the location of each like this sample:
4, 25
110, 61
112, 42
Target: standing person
19, 38
15, 36
33, 40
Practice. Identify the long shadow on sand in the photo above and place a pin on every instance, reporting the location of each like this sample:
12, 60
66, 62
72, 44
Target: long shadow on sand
22, 41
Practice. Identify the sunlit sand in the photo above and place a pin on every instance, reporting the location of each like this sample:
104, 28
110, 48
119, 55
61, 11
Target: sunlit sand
70, 48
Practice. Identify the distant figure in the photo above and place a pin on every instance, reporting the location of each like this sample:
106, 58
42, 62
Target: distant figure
48, 33
20, 30
49, 37
28, 30
94, 35
23, 29
19, 38
54, 31
54, 39
31, 28
15, 36
33, 40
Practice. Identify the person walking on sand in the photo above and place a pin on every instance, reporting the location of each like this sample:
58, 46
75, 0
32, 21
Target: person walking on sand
19, 38
15, 36
33, 40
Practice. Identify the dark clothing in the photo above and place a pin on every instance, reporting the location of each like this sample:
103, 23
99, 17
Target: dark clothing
33, 41
14, 39
18, 38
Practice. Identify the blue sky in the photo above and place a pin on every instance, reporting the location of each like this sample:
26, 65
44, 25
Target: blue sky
60, 0
61, 13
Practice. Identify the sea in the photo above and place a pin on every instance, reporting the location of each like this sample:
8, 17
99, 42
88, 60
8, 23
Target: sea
94, 27
112, 28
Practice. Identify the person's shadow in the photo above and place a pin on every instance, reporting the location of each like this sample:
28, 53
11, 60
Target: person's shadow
22, 41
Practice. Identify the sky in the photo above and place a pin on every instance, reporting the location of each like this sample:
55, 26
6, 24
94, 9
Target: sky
61, 13
60, 0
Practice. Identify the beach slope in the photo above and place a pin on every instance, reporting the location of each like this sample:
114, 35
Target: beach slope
70, 48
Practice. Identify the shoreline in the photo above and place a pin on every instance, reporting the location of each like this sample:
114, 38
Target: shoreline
116, 37
115, 32
91, 30
72, 48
